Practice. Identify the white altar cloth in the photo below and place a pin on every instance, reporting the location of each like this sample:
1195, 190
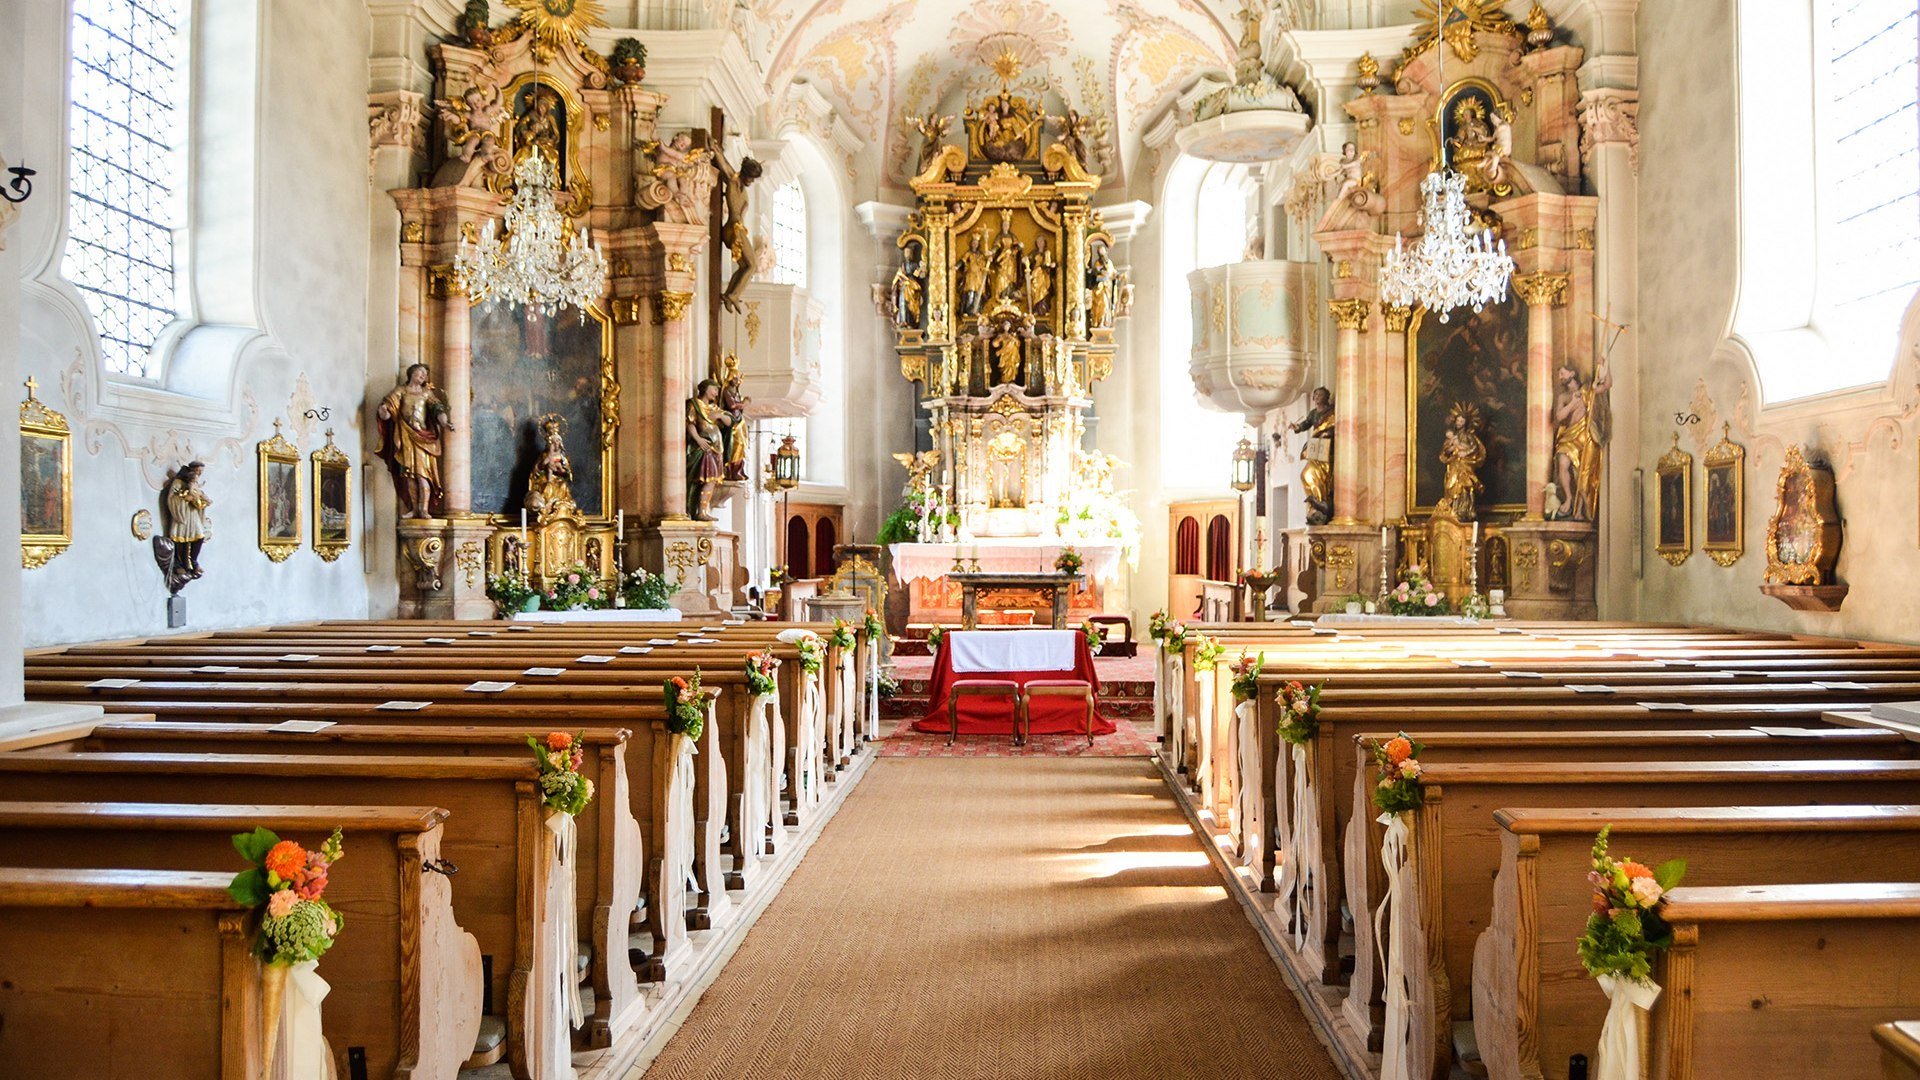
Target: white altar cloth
1012, 650
1003, 555
601, 615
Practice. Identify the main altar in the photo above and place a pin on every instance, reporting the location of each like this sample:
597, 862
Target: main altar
1003, 309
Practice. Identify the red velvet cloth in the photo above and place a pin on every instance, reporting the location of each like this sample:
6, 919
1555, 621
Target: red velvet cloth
986, 715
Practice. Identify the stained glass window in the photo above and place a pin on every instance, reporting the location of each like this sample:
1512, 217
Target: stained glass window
789, 235
127, 127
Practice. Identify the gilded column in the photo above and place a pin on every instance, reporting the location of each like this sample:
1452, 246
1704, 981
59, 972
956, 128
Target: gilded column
1349, 317
456, 378
1393, 496
1542, 292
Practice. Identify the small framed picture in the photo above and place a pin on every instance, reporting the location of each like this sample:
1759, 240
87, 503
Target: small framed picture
1726, 496
332, 501
1673, 522
280, 497
46, 482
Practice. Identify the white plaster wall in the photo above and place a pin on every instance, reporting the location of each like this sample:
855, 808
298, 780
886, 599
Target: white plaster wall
1688, 287
11, 114
308, 256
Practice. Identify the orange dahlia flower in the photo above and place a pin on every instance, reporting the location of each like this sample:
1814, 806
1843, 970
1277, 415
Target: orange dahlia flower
1633, 869
288, 861
558, 740
1398, 749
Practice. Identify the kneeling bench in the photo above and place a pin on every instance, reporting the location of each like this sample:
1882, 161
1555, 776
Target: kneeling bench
1074, 688
1006, 688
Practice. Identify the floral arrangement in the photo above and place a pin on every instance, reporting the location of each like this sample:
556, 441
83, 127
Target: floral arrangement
1176, 635
1399, 761
1096, 637
1299, 711
1260, 579
888, 687
934, 637
842, 635
573, 588
1207, 653
508, 593
812, 653
1626, 929
1416, 596
1246, 676
285, 885
646, 590
760, 670
875, 628
1476, 606
1069, 562
1157, 626
563, 786
687, 705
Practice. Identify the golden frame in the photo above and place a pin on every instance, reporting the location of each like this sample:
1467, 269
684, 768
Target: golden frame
1412, 404
275, 541
1729, 459
609, 423
43, 427
568, 174
1815, 519
1436, 123
329, 458
1676, 467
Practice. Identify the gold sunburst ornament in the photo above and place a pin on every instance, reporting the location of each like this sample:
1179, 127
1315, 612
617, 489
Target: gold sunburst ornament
1007, 66
556, 22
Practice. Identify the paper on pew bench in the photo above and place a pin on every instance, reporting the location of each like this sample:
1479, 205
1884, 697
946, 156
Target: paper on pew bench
1523, 675
301, 727
545, 671
111, 684
440, 641
298, 657
1790, 732
1906, 712
489, 686
383, 648
1665, 706
594, 658
1590, 688
215, 669
635, 650
403, 706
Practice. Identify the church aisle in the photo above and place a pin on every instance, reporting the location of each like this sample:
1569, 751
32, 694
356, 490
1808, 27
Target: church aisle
1000, 918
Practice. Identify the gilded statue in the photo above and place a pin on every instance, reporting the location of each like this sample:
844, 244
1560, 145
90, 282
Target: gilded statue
909, 290
189, 522
1004, 127
734, 233
733, 401
1006, 359
1316, 456
1003, 280
1462, 452
972, 273
1077, 131
933, 133
1100, 278
682, 180
1582, 418
1038, 268
550, 487
473, 136
538, 128
707, 421
413, 419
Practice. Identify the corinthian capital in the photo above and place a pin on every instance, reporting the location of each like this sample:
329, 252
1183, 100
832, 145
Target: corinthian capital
1349, 314
1610, 116
1545, 287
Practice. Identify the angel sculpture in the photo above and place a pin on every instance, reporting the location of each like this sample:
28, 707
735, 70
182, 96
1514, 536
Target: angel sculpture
933, 130
1077, 132
473, 135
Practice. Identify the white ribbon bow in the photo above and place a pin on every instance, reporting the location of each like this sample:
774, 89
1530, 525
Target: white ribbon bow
1394, 1062
1621, 1051
564, 951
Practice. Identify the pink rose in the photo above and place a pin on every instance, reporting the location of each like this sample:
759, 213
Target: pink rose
282, 903
593, 594
1432, 599
1410, 769
1646, 890
573, 579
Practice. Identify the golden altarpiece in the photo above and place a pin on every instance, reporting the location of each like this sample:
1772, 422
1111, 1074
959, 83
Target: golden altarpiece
616, 375
1474, 446
1004, 311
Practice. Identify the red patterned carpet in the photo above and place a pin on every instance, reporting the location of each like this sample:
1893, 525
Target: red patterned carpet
1126, 691
1132, 739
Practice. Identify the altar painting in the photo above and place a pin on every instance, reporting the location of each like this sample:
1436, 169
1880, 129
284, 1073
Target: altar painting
526, 365
1478, 359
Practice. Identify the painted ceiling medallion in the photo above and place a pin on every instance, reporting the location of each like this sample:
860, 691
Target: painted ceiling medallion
558, 22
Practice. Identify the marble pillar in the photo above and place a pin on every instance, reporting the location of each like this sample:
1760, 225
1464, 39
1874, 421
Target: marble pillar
1542, 292
1393, 442
1610, 150
1349, 316
680, 369
456, 379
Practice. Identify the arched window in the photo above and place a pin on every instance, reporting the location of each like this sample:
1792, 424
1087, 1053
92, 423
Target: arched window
789, 235
1219, 549
127, 127
1223, 225
1186, 547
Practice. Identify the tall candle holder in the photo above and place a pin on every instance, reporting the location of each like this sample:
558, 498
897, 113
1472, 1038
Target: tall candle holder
1386, 555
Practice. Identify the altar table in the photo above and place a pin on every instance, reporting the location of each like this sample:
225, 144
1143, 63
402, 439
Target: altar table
600, 615
1055, 585
987, 716
930, 562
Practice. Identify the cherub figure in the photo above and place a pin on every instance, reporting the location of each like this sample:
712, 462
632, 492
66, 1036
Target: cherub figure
473, 133
933, 130
1076, 131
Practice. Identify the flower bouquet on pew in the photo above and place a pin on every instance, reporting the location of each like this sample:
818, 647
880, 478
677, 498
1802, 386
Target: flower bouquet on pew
297, 926
1246, 676
875, 627
935, 636
1623, 933
1069, 562
1157, 627
761, 668
563, 786
813, 654
1299, 712
1416, 596
687, 703
1176, 636
842, 635
1399, 761
1096, 637
1207, 653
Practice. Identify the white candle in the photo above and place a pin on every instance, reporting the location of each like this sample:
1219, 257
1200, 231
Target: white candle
619, 525
1476, 534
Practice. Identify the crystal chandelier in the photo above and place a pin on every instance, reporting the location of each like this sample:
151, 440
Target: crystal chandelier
1446, 268
539, 263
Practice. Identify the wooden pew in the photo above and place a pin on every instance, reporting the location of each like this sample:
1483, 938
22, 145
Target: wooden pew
102, 970
1534, 1005
493, 834
1783, 980
406, 982
1899, 1049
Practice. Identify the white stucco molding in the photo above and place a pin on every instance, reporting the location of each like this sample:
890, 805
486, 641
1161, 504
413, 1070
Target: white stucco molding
697, 69
1321, 64
803, 108
1123, 220
883, 221
402, 32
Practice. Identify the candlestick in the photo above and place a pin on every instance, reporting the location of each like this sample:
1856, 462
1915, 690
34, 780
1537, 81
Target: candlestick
619, 525
526, 553
1386, 549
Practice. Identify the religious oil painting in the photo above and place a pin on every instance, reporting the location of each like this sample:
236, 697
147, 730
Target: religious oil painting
332, 501
1726, 502
281, 508
1674, 512
525, 366
43, 485
1476, 359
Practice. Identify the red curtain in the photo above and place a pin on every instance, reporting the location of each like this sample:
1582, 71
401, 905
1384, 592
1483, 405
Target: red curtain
1186, 547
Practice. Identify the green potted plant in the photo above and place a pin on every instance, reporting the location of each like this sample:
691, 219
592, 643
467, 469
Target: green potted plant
629, 60
473, 23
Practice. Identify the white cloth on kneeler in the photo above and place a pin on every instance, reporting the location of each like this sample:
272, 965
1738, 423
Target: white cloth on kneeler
1012, 650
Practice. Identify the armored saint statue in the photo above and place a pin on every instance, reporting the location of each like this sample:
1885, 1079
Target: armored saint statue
1003, 280
1100, 275
412, 420
1582, 419
550, 487
706, 447
972, 275
1316, 456
1462, 452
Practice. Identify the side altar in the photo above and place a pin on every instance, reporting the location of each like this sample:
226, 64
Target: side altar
1003, 308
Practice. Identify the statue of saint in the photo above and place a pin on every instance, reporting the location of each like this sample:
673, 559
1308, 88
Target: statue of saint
734, 232
933, 132
1100, 275
1039, 268
1076, 131
1581, 419
412, 420
538, 128
1003, 283
1316, 456
733, 401
1247, 65
706, 450
550, 487
1006, 359
682, 179
189, 522
1461, 454
910, 291
973, 274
